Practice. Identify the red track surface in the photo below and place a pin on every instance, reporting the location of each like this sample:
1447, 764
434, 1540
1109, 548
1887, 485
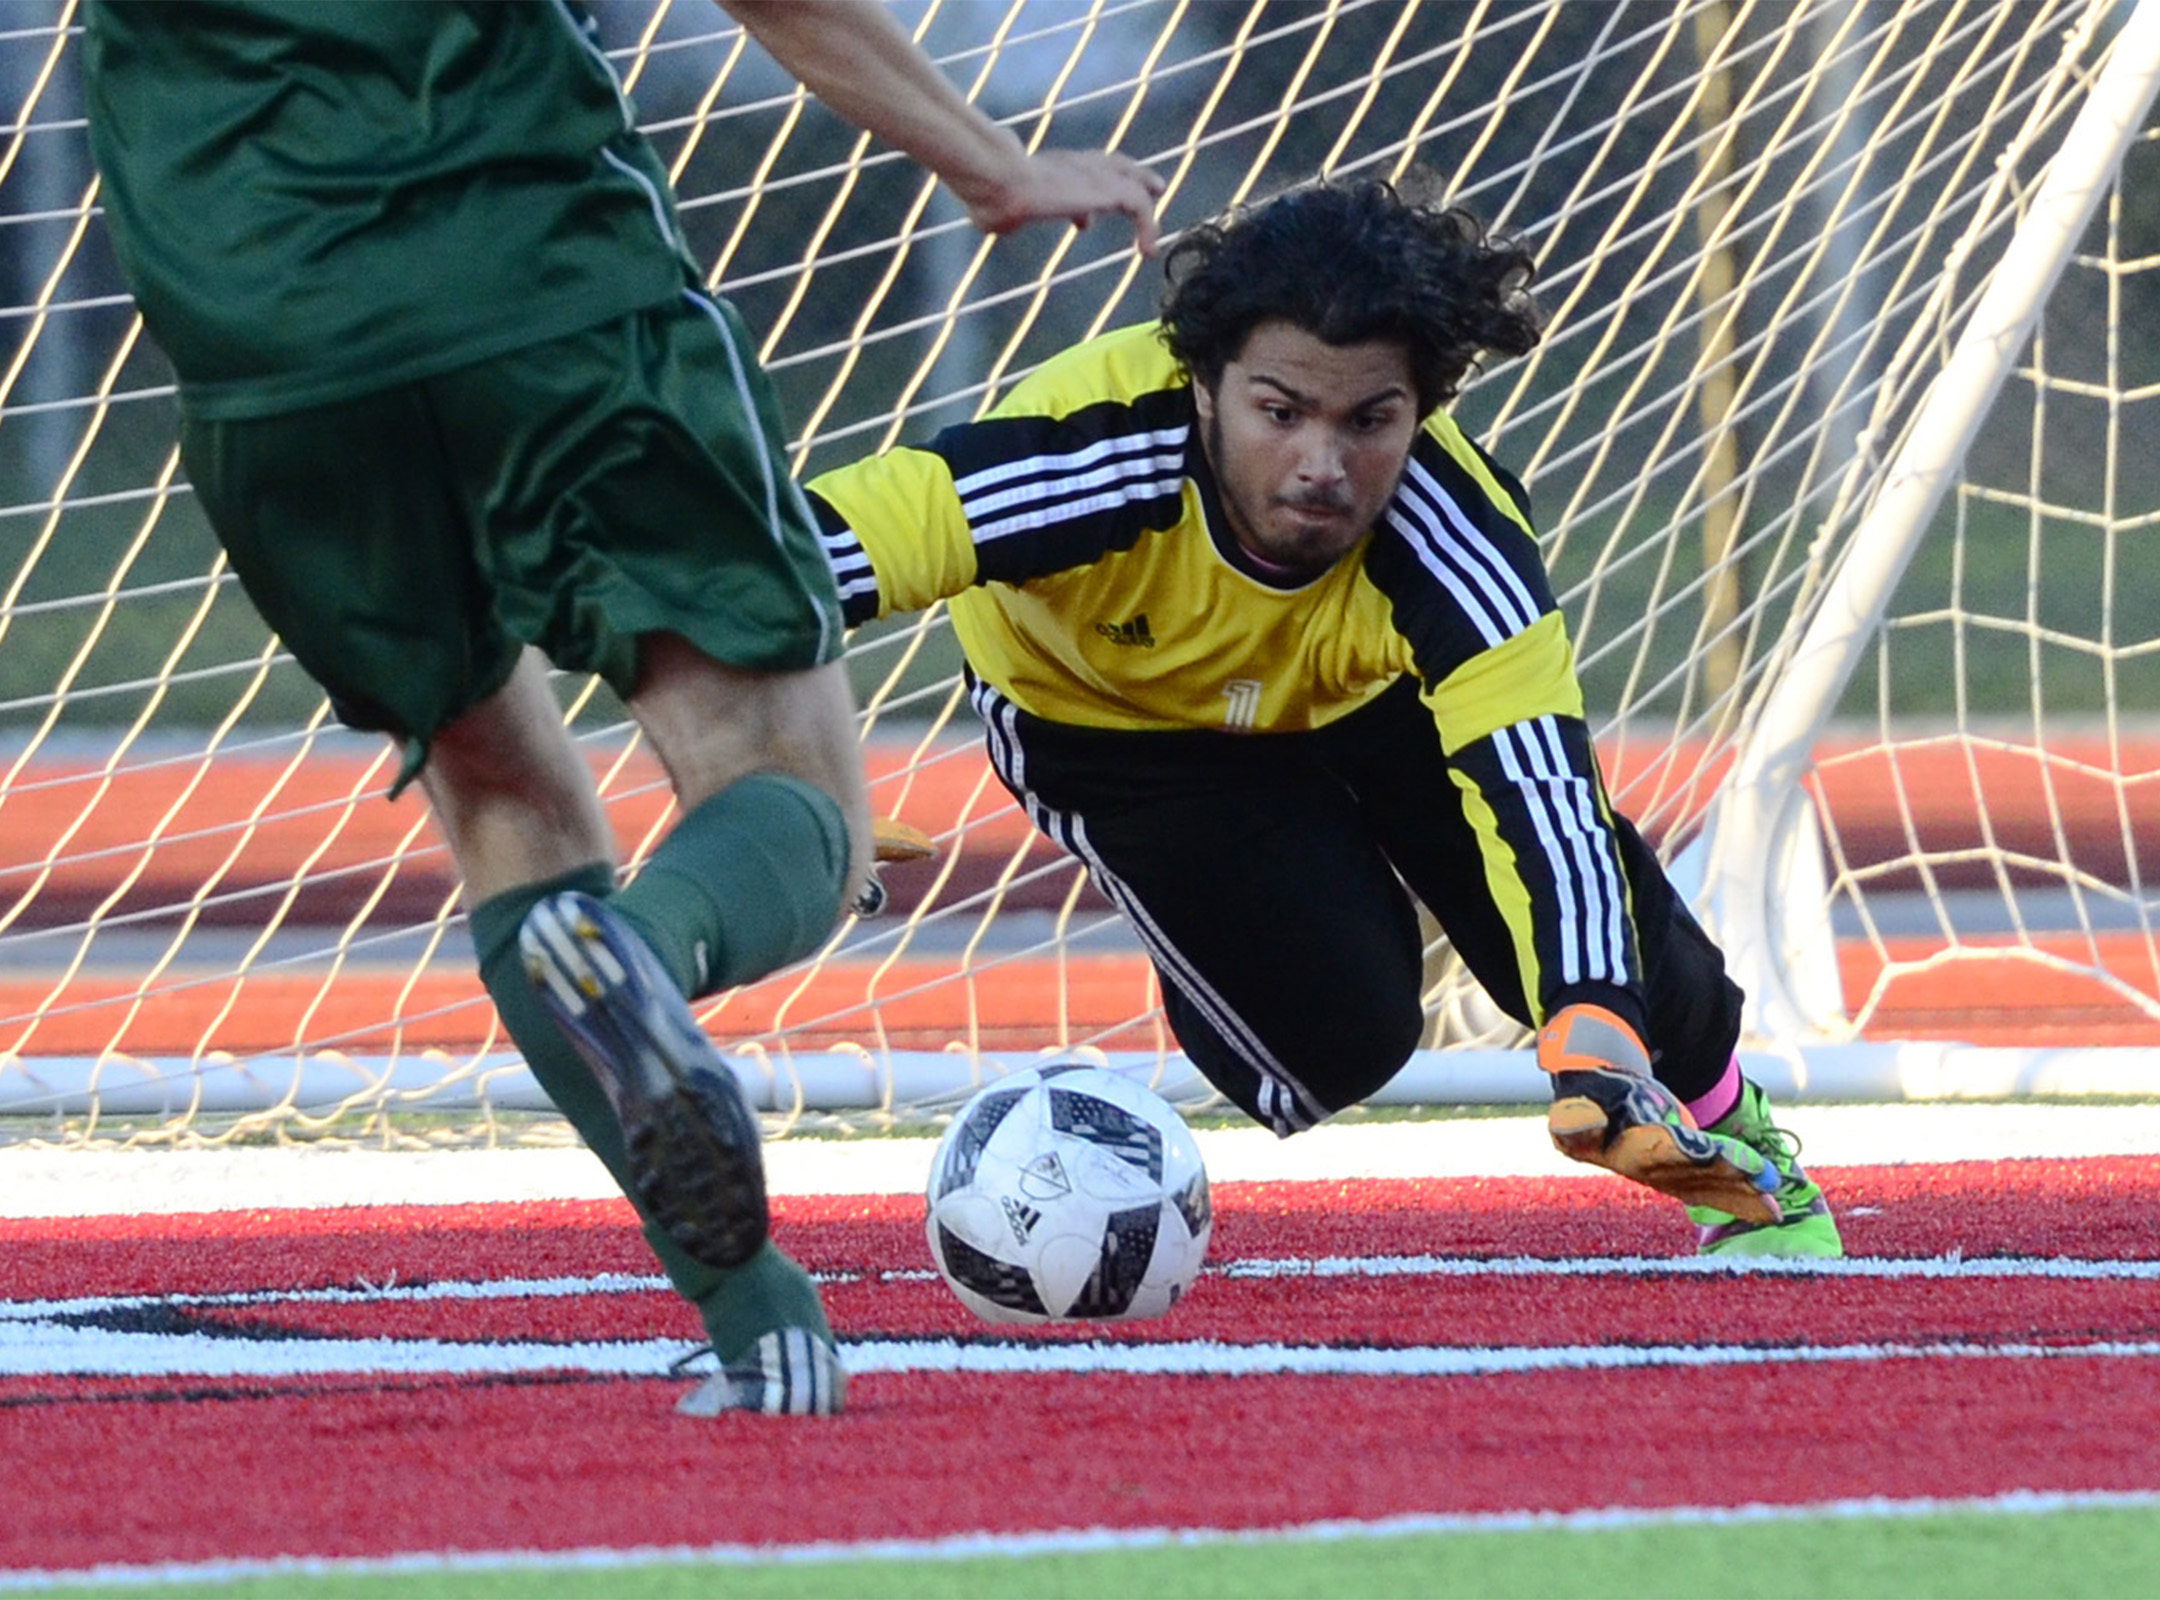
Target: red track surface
362, 1463
314, 842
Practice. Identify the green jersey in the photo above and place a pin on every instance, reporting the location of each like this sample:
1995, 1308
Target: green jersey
316, 200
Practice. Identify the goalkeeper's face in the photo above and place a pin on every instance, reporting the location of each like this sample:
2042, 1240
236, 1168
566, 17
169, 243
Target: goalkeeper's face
1307, 440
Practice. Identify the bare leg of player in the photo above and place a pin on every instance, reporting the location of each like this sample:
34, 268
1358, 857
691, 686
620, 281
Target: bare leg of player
539, 841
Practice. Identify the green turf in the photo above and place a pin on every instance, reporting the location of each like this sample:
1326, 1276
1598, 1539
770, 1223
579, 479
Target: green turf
2105, 1552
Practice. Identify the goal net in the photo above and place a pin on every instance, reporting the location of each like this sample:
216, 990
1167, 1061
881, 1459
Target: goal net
1835, 446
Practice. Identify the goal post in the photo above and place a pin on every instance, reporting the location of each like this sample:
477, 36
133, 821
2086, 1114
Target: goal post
1763, 818
1835, 445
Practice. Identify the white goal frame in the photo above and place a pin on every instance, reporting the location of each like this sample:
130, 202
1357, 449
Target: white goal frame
1746, 835
1764, 905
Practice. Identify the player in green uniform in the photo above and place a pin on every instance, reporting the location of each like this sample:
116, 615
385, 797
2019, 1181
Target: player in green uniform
1262, 637
455, 400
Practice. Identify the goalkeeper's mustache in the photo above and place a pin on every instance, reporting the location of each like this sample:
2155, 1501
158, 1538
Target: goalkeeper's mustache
1331, 502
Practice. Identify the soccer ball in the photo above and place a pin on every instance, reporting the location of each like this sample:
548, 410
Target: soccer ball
1068, 1192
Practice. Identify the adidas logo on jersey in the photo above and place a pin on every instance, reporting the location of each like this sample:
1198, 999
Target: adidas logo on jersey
1133, 632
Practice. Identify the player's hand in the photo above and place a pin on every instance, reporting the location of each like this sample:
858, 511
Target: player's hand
1609, 1111
1076, 186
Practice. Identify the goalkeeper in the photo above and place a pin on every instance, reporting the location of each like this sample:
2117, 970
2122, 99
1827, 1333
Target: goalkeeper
1262, 637
453, 396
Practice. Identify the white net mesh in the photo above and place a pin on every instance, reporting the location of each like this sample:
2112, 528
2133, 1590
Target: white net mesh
1761, 225
1990, 866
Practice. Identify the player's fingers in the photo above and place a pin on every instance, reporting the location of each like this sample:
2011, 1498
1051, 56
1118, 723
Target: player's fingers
1147, 232
1142, 184
1151, 180
1078, 187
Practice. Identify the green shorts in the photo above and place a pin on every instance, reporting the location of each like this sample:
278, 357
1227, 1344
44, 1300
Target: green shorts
630, 478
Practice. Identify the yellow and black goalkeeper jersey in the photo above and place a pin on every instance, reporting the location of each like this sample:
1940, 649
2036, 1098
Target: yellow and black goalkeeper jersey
1093, 580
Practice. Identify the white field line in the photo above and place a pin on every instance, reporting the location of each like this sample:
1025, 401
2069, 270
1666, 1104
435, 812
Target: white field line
1076, 1541
50, 1337
1213, 1358
363, 1292
53, 1349
1427, 1266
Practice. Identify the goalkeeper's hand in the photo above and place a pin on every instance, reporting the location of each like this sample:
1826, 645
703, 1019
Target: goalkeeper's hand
1586, 1038
1609, 1111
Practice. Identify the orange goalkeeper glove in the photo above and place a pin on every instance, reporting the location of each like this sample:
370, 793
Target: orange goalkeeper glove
1609, 1111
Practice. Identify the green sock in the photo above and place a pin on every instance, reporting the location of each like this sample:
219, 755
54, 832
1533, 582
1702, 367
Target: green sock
768, 1291
548, 1052
742, 885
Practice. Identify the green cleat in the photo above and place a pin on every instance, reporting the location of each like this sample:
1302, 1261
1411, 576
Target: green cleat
1808, 1228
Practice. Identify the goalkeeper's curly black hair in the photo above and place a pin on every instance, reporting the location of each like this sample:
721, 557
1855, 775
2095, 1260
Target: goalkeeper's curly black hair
1351, 263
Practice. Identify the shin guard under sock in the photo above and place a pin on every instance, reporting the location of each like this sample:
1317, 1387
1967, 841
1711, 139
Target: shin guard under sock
743, 884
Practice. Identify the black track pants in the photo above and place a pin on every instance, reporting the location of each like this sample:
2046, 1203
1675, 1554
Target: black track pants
1265, 874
